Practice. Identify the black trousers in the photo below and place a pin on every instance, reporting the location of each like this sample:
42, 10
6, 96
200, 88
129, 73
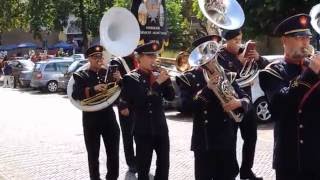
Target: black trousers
294, 175
127, 136
145, 144
215, 165
248, 130
95, 125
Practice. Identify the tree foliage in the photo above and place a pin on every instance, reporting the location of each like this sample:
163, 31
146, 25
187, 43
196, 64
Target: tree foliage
52, 15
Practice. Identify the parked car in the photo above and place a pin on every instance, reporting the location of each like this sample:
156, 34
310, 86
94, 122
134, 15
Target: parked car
259, 99
46, 74
77, 57
64, 80
22, 71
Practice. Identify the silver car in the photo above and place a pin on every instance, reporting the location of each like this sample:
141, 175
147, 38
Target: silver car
46, 74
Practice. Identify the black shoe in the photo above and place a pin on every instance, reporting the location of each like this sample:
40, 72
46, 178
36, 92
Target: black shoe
249, 176
132, 169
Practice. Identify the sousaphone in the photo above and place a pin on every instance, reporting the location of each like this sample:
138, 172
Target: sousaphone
226, 14
315, 18
119, 34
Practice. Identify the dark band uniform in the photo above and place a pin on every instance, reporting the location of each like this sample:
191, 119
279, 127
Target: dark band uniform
213, 130
296, 143
298, 146
150, 127
99, 123
126, 122
248, 127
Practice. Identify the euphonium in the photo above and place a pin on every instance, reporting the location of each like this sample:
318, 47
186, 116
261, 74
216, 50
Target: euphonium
208, 52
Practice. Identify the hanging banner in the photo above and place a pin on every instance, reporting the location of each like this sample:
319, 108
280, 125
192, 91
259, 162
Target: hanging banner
151, 17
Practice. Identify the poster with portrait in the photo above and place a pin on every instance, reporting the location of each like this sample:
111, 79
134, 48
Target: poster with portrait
151, 15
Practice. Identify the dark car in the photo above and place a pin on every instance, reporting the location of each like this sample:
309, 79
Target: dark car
64, 80
22, 71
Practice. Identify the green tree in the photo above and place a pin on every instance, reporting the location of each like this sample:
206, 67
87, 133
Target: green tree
12, 15
178, 25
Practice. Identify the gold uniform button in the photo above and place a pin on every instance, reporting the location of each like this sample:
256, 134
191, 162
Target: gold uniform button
206, 121
205, 112
150, 112
301, 141
300, 111
300, 126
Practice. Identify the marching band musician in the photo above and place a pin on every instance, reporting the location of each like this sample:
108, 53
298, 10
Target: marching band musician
125, 65
143, 91
99, 123
233, 61
213, 130
287, 82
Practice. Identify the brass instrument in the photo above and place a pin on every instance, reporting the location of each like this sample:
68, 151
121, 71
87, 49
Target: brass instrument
119, 34
226, 14
112, 88
315, 18
174, 73
205, 53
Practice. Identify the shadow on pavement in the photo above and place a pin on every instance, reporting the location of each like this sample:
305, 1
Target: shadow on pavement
266, 126
131, 176
177, 116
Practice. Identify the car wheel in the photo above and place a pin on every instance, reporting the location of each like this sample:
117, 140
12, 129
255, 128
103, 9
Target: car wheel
52, 86
262, 111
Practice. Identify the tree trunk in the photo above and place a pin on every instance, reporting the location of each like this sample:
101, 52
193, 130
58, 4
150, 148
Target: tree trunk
84, 29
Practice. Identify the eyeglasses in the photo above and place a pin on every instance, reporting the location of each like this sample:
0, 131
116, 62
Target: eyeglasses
97, 57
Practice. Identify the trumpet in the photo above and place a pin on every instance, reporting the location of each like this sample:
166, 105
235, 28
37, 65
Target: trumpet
177, 74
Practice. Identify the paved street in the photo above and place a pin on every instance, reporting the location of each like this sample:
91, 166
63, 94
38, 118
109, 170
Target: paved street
41, 138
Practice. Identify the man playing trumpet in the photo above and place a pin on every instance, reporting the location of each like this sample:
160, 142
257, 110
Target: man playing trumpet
144, 93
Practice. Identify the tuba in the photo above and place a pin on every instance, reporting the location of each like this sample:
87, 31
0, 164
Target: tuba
119, 34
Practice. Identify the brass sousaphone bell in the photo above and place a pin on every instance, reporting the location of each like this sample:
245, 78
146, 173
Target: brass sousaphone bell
119, 34
226, 14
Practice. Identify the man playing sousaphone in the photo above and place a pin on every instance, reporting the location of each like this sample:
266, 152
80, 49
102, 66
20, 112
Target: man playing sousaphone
213, 133
98, 123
